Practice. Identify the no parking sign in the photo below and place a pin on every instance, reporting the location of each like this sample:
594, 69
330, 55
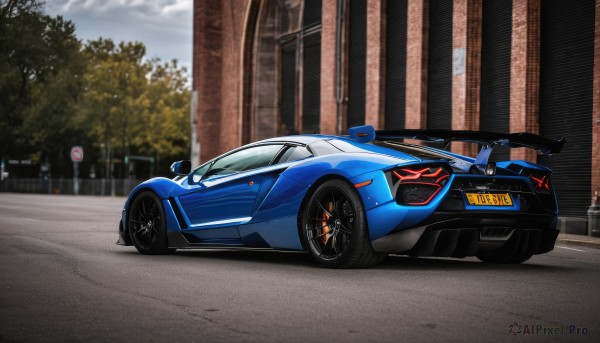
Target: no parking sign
76, 154
76, 157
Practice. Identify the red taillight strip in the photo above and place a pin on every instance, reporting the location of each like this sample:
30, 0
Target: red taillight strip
442, 178
417, 173
433, 174
543, 182
408, 177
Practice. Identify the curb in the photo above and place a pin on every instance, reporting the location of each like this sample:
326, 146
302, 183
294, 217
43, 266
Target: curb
585, 241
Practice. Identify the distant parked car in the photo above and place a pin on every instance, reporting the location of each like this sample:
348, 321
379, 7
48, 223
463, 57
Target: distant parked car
352, 200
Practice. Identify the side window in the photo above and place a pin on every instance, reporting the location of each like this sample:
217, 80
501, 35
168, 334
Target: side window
321, 148
250, 158
200, 171
295, 153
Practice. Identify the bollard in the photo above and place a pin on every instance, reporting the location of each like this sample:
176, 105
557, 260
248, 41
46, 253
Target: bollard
594, 216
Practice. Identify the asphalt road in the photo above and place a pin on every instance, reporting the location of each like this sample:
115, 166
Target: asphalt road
62, 278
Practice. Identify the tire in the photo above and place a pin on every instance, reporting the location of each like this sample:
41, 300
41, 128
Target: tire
502, 258
147, 225
334, 228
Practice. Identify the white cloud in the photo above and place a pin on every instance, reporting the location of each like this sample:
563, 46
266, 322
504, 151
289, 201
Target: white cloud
164, 26
160, 8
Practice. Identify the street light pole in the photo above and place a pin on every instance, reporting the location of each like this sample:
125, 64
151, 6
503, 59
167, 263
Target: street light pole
112, 177
103, 186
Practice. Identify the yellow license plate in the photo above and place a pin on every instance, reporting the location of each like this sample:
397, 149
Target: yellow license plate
486, 199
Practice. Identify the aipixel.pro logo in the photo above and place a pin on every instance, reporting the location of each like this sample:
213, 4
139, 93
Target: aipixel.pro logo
517, 329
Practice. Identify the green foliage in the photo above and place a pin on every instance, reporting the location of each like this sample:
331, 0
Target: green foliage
134, 106
56, 92
41, 80
163, 128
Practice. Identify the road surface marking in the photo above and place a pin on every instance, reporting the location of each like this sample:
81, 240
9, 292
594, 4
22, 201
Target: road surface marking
558, 246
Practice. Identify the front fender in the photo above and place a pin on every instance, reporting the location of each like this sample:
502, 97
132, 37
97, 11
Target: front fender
162, 186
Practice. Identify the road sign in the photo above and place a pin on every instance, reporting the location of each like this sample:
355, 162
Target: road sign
76, 154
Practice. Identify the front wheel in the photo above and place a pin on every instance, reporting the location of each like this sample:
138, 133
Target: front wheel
334, 228
147, 226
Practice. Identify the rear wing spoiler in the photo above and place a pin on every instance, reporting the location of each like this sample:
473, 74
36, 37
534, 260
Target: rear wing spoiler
542, 144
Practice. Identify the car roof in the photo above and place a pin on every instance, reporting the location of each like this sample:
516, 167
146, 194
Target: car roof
350, 145
300, 139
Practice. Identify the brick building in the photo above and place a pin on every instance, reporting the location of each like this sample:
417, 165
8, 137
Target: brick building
264, 68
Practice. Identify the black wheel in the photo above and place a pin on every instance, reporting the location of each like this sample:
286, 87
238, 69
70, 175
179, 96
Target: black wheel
334, 228
147, 226
503, 258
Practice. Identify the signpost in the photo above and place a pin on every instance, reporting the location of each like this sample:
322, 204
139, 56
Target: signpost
3, 174
76, 157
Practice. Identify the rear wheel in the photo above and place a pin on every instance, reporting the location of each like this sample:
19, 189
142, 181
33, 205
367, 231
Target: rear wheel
147, 226
334, 228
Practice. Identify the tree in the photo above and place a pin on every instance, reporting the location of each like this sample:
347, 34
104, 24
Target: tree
56, 92
114, 84
164, 130
41, 78
132, 106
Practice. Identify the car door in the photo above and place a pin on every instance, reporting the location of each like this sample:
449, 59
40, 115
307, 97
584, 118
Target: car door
227, 191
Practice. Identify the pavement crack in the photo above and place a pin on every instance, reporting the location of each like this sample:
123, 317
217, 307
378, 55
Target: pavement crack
185, 308
66, 257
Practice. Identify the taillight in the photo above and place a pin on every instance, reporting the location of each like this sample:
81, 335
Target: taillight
418, 185
540, 182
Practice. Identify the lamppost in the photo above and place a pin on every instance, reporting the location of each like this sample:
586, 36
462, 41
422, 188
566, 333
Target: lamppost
93, 179
110, 170
103, 186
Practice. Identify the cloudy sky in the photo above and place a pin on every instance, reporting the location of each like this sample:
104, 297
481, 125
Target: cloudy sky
164, 26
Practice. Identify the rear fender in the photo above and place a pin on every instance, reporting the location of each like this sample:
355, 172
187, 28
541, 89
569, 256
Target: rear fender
377, 190
346, 165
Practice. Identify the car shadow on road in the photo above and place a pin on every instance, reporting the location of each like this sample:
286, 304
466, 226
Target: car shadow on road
437, 263
296, 258
392, 262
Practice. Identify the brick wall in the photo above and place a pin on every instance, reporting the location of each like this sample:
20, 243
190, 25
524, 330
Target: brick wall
525, 73
207, 63
375, 77
233, 18
218, 63
329, 108
416, 64
466, 35
223, 79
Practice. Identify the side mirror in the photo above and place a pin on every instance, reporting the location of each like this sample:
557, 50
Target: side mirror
181, 167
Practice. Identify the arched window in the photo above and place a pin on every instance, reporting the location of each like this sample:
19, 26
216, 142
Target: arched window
287, 68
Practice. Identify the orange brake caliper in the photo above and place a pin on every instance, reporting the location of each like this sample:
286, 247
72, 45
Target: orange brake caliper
326, 228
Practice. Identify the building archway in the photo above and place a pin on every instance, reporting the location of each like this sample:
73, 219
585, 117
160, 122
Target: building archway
281, 81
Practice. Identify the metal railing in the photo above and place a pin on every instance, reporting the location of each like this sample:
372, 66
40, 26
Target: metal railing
114, 187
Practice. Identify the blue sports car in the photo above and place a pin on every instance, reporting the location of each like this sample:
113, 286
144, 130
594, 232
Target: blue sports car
352, 200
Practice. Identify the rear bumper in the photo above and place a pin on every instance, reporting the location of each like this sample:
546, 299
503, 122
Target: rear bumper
470, 234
